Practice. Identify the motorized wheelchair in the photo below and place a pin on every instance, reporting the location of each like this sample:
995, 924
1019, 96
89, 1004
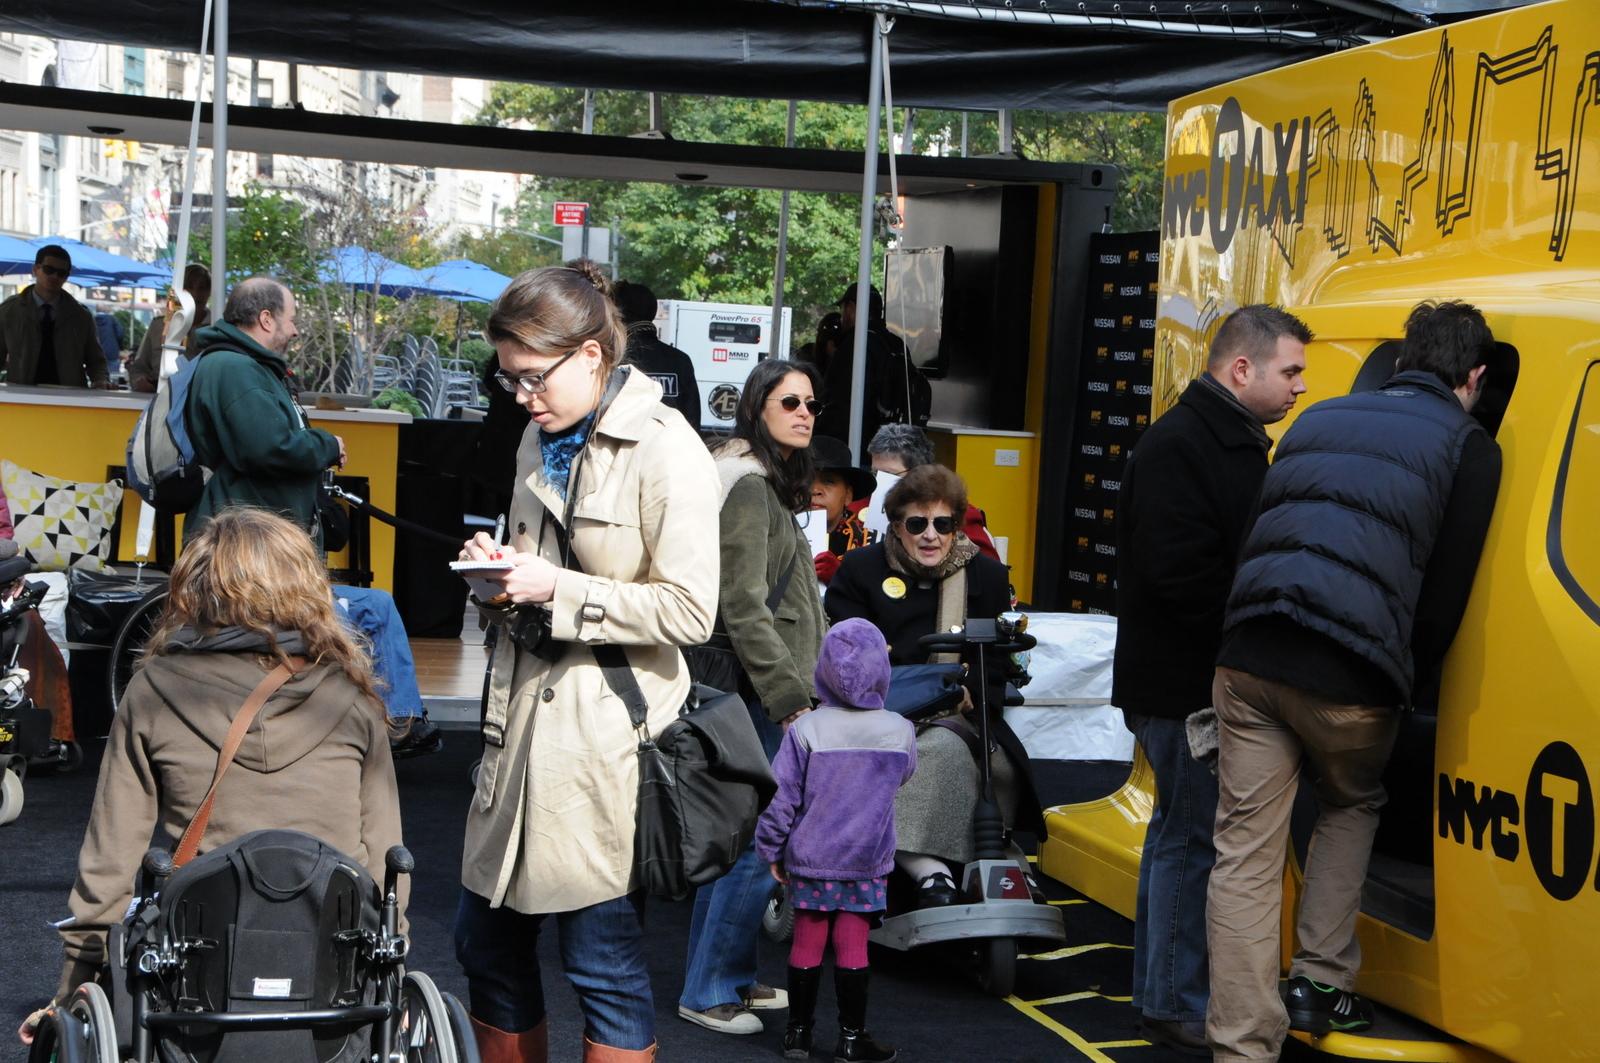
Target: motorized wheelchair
274, 948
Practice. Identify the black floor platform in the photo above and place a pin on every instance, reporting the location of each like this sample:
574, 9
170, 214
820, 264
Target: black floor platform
1070, 1004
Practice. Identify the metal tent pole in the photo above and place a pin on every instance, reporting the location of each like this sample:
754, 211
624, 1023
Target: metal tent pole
869, 192
219, 157
783, 252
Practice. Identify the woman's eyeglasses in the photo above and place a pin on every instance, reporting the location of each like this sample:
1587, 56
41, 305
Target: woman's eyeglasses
792, 403
533, 383
918, 525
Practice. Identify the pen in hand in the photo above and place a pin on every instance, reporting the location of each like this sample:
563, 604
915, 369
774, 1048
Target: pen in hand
499, 536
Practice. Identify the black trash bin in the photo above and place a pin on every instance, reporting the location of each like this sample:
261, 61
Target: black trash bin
97, 604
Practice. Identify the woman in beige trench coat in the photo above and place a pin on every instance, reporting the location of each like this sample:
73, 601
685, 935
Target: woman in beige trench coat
550, 830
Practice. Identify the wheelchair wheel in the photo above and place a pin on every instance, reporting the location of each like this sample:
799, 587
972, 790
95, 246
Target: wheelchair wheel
425, 1029
997, 966
461, 1027
127, 647
777, 922
90, 1006
60, 1038
10, 796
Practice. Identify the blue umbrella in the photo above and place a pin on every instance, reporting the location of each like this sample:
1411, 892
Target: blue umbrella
477, 283
360, 268
16, 258
93, 267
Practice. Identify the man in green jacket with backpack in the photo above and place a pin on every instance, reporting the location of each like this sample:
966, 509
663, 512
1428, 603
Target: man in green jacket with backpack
248, 429
244, 421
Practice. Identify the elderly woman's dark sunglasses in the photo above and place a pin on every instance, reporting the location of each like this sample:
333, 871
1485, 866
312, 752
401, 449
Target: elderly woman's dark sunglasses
918, 525
792, 403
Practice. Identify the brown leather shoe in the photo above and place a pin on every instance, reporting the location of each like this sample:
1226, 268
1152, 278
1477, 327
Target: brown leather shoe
1186, 1037
593, 1053
497, 1046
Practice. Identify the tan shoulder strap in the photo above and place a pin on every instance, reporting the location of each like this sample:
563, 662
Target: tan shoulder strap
189, 844
952, 610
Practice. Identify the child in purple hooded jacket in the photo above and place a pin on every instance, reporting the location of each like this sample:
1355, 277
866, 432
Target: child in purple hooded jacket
829, 832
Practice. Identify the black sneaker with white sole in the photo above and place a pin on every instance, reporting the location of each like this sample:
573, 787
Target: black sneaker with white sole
1318, 1009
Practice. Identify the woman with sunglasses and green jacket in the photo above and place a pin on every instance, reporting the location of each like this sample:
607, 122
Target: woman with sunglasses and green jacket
904, 586
768, 633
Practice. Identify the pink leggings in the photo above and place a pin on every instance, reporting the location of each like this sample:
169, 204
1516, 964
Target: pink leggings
811, 936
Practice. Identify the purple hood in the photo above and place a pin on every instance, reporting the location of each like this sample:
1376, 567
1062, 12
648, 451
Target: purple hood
853, 667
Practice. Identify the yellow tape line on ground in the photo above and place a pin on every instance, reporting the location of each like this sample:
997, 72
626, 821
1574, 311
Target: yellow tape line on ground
1090, 1049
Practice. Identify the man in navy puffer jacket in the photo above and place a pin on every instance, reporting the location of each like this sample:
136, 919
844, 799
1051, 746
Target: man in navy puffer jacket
1350, 588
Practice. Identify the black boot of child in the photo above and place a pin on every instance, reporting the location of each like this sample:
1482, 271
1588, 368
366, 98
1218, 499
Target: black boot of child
803, 983
855, 1044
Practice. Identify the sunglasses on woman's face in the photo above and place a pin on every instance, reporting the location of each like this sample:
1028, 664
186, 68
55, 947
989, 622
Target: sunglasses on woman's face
918, 525
791, 403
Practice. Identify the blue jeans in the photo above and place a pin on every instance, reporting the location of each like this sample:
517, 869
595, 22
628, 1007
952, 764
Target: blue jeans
726, 925
372, 613
602, 951
1171, 978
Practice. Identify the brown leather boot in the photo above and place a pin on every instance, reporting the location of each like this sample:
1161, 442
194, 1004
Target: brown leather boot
593, 1053
497, 1046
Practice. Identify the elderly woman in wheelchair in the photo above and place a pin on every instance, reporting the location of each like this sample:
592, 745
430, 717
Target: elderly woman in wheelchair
275, 942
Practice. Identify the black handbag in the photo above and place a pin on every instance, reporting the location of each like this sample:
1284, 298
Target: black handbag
917, 691
703, 783
714, 663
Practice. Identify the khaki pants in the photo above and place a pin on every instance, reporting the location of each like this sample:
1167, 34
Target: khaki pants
1264, 728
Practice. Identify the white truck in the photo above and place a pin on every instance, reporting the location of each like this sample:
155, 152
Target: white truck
725, 341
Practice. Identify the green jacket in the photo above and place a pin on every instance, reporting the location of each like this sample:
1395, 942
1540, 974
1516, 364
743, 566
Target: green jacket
760, 537
249, 431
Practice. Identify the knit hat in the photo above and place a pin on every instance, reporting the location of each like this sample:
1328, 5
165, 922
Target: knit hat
853, 667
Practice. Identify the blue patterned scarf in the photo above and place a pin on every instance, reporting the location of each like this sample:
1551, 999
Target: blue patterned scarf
558, 450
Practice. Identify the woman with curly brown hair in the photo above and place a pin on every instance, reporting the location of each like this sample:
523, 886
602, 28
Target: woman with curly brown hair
249, 593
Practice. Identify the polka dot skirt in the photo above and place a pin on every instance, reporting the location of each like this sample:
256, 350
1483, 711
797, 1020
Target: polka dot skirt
815, 895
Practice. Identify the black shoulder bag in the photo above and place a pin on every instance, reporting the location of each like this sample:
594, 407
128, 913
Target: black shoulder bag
714, 662
703, 782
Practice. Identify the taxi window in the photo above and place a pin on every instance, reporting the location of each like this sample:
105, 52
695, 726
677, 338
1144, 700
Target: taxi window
1573, 542
1504, 366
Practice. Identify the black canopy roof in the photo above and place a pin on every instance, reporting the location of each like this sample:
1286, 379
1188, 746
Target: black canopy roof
974, 54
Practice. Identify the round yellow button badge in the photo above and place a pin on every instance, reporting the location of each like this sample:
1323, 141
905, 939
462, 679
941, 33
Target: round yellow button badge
894, 587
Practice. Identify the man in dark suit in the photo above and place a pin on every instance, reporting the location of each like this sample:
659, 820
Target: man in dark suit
47, 336
1186, 499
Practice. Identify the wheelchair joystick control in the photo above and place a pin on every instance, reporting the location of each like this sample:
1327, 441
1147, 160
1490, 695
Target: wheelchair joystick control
158, 862
399, 860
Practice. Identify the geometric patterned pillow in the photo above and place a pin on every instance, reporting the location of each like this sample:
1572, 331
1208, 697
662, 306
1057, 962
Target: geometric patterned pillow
61, 524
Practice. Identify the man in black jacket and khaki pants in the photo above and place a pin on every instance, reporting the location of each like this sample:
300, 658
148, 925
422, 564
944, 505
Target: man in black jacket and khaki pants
1351, 585
1186, 500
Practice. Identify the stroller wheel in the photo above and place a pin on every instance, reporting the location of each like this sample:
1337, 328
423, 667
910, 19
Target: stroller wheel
90, 1006
475, 771
777, 921
71, 758
997, 966
426, 1034
10, 796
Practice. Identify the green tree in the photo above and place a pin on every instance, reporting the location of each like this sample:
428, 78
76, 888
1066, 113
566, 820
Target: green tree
720, 243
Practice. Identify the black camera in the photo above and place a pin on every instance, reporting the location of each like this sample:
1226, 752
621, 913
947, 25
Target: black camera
531, 632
